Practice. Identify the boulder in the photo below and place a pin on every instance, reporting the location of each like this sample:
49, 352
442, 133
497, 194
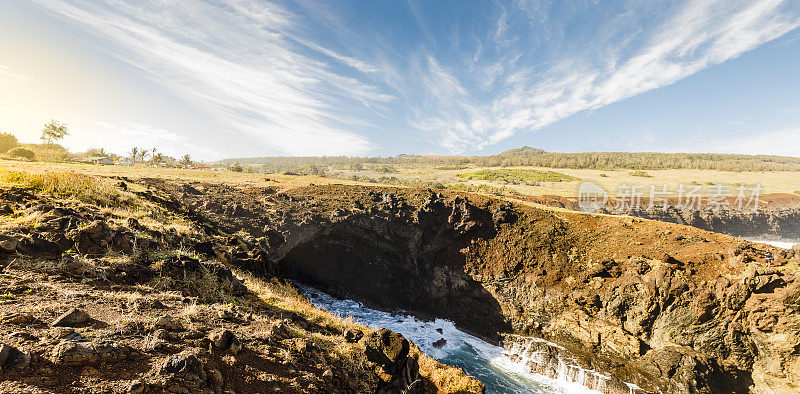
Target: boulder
8, 243
353, 335
184, 373
94, 239
71, 318
279, 331
71, 353
123, 242
386, 348
36, 246
169, 323
225, 340
11, 357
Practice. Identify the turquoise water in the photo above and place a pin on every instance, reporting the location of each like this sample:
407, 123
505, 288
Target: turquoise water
477, 357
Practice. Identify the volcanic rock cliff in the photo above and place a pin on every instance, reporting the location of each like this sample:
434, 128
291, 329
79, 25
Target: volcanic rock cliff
667, 307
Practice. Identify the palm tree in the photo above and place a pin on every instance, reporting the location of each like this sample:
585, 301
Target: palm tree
157, 158
186, 160
143, 153
134, 154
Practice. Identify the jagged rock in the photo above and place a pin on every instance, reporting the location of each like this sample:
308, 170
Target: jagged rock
184, 373
439, 343
123, 242
37, 246
353, 335
503, 214
390, 350
236, 286
464, 216
279, 331
386, 348
94, 239
6, 209
216, 379
17, 318
134, 224
225, 340
70, 318
70, 353
8, 243
11, 357
169, 323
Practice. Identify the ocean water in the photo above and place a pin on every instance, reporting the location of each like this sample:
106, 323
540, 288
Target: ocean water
783, 243
477, 357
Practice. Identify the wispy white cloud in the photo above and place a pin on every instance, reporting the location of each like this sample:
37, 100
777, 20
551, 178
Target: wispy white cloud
8, 78
237, 61
299, 77
700, 34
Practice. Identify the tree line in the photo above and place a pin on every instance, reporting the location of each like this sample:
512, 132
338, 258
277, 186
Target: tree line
50, 150
532, 157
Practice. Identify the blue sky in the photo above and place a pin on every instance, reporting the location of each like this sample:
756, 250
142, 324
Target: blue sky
253, 77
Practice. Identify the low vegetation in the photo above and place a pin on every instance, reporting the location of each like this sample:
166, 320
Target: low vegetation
641, 174
533, 157
21, 153
517, 176
82, 187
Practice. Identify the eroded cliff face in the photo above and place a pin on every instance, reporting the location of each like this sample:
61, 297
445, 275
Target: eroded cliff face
777, 216
670, 308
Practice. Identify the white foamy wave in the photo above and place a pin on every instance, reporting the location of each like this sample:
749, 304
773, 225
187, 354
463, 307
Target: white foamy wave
477, 357
783, 243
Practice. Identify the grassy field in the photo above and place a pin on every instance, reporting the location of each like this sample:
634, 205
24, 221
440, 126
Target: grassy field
485, 180
566, 181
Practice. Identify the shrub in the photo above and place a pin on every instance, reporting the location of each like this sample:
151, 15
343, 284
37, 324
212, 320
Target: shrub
49, 152
7, 141
237, 167
23, 153
641, 173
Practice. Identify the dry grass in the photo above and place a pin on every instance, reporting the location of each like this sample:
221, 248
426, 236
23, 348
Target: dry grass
68, 185
278, 181
447, 379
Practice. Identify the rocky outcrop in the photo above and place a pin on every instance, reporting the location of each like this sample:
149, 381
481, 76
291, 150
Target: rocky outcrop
398, 373
669, 308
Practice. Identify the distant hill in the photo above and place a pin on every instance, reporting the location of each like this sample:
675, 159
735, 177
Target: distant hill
524, 151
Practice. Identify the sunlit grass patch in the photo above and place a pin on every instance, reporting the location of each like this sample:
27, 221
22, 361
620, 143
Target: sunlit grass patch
83, 187
517, 176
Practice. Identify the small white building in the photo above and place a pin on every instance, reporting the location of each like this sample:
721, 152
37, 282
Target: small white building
97, 160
